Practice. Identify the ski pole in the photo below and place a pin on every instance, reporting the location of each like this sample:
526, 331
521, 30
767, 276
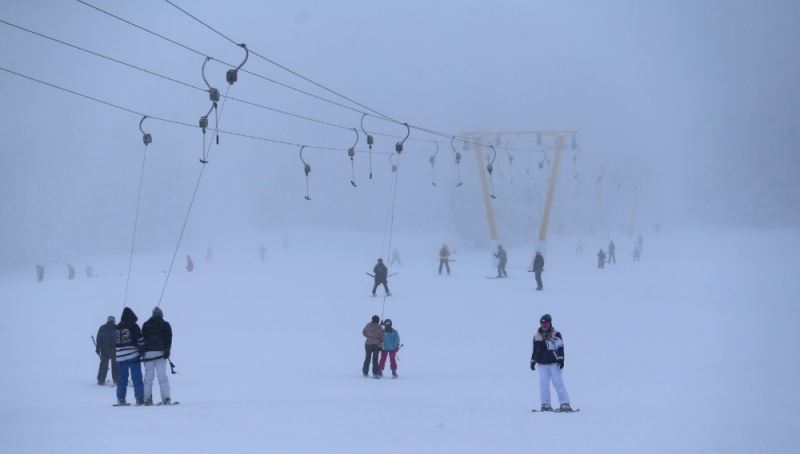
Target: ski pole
171, 367
95, 345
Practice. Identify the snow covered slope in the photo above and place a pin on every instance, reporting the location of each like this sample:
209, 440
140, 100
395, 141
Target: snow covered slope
692, 350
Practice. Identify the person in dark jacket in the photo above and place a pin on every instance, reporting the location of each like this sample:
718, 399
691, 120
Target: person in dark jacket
381, 274
502, 258
130, 345
157, 335
372, 345
105, 344
189, 263
601, 259
612, 249
391, 344
538, 267
444, 259
39, 273
70, 272
548, 352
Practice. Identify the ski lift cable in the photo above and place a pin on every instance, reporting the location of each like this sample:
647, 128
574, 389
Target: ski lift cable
458, 161
351, 152
432, 160
147, 139
490, 169
370, 141
306, 169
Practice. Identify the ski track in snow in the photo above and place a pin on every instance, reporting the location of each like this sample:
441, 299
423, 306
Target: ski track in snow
684, 352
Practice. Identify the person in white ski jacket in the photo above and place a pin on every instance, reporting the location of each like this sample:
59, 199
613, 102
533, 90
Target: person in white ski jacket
548, 352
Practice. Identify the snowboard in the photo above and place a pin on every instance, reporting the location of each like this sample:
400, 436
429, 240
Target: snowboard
556, 410
166, 405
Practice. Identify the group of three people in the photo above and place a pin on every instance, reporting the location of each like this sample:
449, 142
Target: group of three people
126, 346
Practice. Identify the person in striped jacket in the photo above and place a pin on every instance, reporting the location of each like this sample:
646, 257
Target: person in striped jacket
130, 345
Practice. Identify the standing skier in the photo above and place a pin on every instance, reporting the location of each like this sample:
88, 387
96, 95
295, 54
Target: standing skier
612, 258
538, 267
637, 253
39, 273
391, 344
374, 334
130, 344
502, 258
104, 347
262, 252
395, 257
157, 344
189, 263
548, 352
601, 259
70, 272
380, 274
444, 259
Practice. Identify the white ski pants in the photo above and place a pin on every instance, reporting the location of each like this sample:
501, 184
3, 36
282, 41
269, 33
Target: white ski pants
547, 373
150, 369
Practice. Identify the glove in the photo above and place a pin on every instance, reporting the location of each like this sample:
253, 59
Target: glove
533, 365
97, 351
561, 364
166, 354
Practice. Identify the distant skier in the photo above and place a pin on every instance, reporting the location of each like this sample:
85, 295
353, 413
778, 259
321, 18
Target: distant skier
548, 352
579, 248
70, 272
157, 335
374, 334
105, 344
39, 273
391, 344
130, 345
209, 253
380, 274
639, 241
262, 252
189, 263
395, 258
538, 268
502, 258
444, 259
612, 258
637, 252
89, 271
601, 259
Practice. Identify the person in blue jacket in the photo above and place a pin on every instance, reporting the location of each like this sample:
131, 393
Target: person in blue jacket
391, 344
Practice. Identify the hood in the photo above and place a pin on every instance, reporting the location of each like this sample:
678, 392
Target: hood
128, 317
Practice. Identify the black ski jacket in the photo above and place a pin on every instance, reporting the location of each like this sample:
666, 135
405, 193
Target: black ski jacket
157, 336
538, 263
548, 348
130, 342
106, 339
380, 272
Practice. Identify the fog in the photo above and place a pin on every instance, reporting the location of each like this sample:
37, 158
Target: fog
694, 105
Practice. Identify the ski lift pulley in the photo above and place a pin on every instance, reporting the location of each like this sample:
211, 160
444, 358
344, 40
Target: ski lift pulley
146, 137
233, 74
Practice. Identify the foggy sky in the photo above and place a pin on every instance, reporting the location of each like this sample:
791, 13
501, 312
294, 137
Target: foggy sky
702, 95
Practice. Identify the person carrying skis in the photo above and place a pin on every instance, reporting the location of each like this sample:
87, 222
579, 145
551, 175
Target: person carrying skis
444, 259
104, 347
391, 344
502, 258
538, 268
612, 258
548, 352
374, 334
380, 275
130, 345
157, 344
601, 259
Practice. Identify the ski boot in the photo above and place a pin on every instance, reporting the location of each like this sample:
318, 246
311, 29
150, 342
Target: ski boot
166, 401
139, 402
121, 403
565, 408
394, 374
546, 407
148, 402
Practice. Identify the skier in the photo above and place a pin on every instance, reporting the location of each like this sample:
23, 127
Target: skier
157, 335
39, 273
89, 271
637, 252
262, 252
380, 274
502, 258
579, 247
209, 253
548, 351
601, 259
538, 267
130, 345
611, 256
104, 347
391, 344
639, 241
189, 263
70, 272
395, 257
444, 259
374, 334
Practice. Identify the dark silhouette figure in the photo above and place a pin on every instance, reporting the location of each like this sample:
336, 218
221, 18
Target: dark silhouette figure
444, 259
105, 348
601, 259
39, 273
381, 274
538, 268
395, 258
612, 258
70, 272
502, 259
637, 252
262, 252
189, 263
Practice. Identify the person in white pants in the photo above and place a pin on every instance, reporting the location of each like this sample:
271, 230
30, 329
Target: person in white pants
157, 334
548, 352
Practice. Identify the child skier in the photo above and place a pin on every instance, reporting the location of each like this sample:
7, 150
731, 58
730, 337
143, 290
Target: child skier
548, 351
391, 344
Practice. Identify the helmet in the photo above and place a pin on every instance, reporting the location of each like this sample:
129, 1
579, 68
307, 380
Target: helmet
546, 318
387, 322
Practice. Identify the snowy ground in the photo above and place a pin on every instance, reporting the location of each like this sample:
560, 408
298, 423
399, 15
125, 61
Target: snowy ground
692, 350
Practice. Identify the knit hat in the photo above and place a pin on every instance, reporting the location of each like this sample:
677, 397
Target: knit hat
375, 319
546, 318
157, 312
